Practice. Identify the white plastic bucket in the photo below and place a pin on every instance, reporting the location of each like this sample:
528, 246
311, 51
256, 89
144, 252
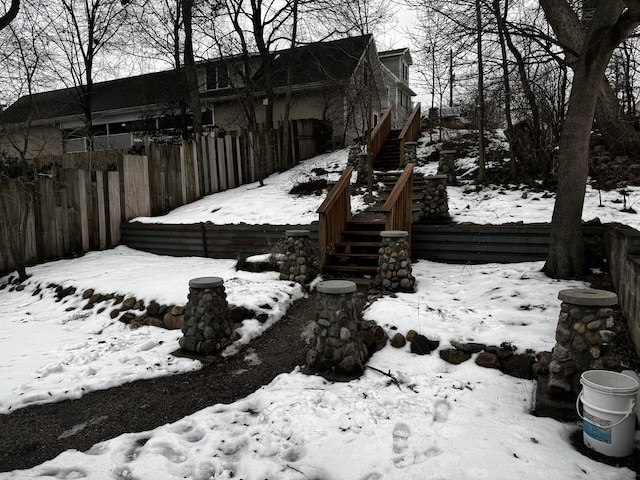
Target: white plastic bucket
609, 420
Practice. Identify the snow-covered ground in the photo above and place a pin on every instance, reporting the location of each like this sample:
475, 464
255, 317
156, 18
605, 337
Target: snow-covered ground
442, 422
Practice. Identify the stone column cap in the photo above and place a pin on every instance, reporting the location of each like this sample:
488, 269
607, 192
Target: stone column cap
588, 297
297, 233
448, 152
394, 233
337, 286
435, 177
410, 143
206, 282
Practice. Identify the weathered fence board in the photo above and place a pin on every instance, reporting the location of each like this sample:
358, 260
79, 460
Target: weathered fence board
89, 195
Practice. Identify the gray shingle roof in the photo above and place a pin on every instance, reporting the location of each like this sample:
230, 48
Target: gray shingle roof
317, 62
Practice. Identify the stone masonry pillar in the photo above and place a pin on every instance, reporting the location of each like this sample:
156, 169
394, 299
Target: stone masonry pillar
362, 167
583, 336
298, 263
394, 264
337, 345
447, 166
207, 328
410, 153
435, 204
354, 151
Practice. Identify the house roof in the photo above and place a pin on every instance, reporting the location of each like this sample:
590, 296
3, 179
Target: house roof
397, 52
153, 88
332, 61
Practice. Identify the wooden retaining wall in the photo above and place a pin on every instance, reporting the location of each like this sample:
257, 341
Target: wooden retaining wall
442, 243
208, 240
492, 243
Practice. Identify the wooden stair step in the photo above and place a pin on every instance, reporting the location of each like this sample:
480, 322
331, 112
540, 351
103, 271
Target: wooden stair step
351, 269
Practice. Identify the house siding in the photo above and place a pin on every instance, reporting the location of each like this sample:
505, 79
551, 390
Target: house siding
43, 140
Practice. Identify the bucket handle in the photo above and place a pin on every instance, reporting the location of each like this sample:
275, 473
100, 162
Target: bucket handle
626, 415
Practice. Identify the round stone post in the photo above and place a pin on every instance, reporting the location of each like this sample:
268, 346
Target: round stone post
298, 265
354, 151
207, 327
583, 334
362, 167
337, 345
435, 204
394, 264
447, 166
410, 153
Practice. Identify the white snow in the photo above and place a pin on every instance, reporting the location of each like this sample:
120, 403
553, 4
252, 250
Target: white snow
442, 421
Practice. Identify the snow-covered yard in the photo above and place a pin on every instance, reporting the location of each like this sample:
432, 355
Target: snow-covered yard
442, 422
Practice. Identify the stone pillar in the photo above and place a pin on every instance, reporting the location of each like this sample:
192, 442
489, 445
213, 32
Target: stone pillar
207, 327
298, 265
394, 264
435, 204
337, 345
362, 167
583, 336
410, 153
447, 166
354, 151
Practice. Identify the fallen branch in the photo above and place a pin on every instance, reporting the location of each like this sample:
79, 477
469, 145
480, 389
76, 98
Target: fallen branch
386, 374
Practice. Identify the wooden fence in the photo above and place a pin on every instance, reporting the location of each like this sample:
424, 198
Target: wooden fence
81, 204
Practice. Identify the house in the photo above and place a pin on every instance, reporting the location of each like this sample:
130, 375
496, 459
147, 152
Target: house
335, 86
395, 67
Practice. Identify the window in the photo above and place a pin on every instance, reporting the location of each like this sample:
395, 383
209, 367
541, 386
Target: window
217, 77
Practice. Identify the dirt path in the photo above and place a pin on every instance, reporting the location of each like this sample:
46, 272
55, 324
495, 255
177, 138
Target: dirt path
32, 435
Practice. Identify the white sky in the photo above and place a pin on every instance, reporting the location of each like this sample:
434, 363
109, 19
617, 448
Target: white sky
460, 421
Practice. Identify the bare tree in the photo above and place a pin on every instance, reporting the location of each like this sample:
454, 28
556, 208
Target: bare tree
611, 22
80, 32
328, 18
572, 33
23, 55
481, 102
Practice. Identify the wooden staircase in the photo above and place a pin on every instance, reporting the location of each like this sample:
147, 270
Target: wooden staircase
356, 253
389, 156
349, 247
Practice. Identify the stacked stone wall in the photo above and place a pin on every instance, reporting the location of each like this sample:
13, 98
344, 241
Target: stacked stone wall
300, 263
337, 344
207, 327
394, 265
435, 203
584, 337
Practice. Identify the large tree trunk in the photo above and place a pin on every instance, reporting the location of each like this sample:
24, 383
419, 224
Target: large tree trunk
192, 78
609, 27
618, 135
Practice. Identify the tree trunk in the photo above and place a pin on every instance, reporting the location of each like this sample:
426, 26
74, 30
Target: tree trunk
566, 248
618, 135
192, 78
482, 176
513, 168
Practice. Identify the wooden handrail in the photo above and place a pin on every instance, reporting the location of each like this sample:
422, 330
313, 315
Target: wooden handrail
380, 133
411, 130
334, 213
412, 126
397, 208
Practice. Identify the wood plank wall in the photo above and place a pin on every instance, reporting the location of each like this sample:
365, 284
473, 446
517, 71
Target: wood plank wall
88, 196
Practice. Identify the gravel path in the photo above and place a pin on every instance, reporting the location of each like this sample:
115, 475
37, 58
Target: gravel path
32, 435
